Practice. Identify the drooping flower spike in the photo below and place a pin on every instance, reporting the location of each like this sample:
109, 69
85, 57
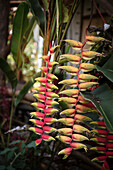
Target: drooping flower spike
78, 105
42, 119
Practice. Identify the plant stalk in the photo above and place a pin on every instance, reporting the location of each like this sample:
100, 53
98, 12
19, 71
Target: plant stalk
11, 115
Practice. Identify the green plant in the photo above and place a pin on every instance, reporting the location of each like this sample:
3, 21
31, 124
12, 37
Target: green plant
79, 98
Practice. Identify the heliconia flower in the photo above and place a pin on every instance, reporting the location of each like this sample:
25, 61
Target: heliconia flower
49, 120
36, 130
69, 100
87, 67
51, 76
37, 122
100, 132
101, 141
105, 165
99, 123
78, 137
46, 58
51, 86
41, 89
110, 137
50, 111
40, 97
67, 121
109, 146
76, 44
48, 129
50, 103
41, 79
86, 85
99, 159
78, 146
82, 109
66, 152
70, 92
86, 77
68, 112
38, 141
80, 129
53, 49
38, 115
79, 117
93, 39
70, 69
65, 131
47, 138
70, 57
52, 63
64, 139
69, 82
51, 95
99, 149
38, 105
82, 100
45, 69
87, 55
109, 154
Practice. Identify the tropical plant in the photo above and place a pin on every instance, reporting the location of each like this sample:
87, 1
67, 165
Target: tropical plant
84, 98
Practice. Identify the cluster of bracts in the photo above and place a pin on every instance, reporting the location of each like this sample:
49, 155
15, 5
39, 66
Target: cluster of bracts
73, 131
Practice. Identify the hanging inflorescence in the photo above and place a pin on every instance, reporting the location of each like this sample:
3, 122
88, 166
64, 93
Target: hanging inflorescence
43, 118
74, 134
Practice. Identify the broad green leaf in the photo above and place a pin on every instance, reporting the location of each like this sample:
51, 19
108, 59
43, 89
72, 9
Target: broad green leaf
38, 12
10, 155
10, 168
5, 67
2, 167
31, 145
15, 142
107, 69
28, 33
20, 25
102, 98
6, 150
23, 92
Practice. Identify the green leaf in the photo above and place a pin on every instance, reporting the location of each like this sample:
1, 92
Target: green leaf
28, 33
5, 67
15, 142
107, 68
102, 98
23, 92
2, 167
46, 4
10, 155
10, 168
5, 151
38, 12
20, 25
31, 145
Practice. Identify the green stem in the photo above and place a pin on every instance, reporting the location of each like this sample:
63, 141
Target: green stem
11, 116
52, 155
2, 138
15, 158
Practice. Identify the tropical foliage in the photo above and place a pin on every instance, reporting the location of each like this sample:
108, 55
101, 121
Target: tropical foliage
75, 112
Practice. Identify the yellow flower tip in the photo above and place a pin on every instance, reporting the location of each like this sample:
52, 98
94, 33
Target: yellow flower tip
57, 137
31, 128
85, 148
